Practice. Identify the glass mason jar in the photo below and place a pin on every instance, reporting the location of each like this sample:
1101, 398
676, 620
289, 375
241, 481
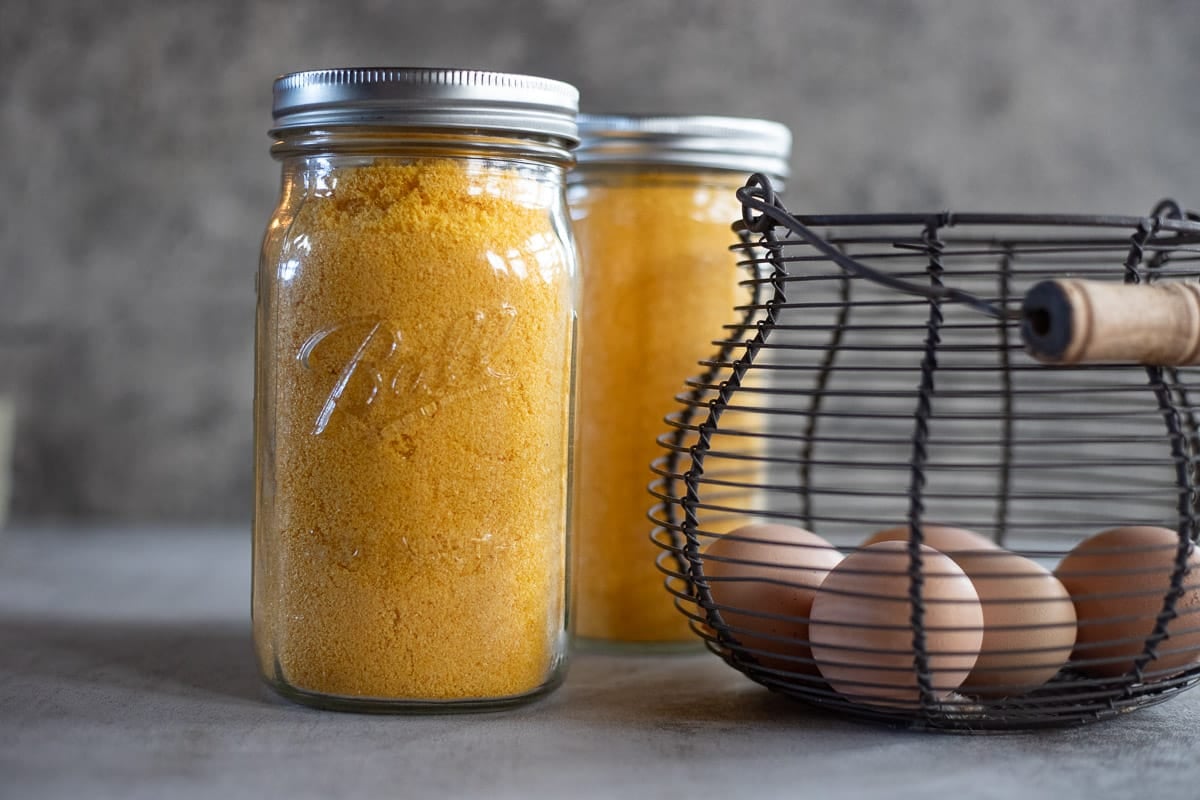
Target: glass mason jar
414, 390
652, 203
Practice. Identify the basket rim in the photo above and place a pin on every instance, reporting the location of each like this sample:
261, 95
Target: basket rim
952, 219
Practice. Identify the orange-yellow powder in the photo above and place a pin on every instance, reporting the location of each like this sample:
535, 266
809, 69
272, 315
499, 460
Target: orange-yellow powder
659, 282
415, 543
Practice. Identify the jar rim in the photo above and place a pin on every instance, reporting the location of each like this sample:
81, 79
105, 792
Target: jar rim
743, 144
426, 97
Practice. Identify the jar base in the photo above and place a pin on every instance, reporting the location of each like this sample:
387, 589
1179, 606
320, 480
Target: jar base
383, 705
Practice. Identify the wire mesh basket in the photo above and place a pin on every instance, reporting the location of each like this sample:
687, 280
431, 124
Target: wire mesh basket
942, 471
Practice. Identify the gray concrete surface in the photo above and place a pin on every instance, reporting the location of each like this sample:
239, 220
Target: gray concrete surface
136, 178
125, 672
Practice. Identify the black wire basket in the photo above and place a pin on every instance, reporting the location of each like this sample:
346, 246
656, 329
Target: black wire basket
919, 377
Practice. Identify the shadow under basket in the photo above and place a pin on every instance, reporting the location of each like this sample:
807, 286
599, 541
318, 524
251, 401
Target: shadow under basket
1022, 382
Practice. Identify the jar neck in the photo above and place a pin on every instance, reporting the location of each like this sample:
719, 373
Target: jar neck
419, 143
529, 182
630, 175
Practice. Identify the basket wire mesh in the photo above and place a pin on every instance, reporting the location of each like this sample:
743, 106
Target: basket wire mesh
878, 374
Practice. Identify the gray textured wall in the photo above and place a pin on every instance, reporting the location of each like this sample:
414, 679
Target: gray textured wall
136, 178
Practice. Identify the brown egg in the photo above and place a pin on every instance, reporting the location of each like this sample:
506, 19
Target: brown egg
1028, 622
1118, 580
769, 569
862, 639
942, 538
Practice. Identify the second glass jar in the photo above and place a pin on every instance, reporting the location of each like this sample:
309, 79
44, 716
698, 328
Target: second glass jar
652, 203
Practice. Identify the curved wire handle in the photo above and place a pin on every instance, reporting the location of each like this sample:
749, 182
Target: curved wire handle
759, 196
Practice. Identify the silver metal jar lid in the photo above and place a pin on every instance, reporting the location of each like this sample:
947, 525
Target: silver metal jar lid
419, 97
733, 143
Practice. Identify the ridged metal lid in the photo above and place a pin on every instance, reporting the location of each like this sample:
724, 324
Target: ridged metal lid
734, 143
419, 97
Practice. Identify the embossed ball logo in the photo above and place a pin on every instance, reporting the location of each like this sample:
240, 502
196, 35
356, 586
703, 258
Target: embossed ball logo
385, 376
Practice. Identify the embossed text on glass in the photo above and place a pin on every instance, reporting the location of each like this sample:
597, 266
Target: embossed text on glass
395, 378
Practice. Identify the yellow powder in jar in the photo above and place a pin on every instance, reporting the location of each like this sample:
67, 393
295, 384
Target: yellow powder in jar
659, 282
422, 366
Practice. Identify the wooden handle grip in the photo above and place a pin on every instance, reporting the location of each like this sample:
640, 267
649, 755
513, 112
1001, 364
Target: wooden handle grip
1091, 322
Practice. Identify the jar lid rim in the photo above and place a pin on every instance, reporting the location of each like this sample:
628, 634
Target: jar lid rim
745, 144
426, 97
